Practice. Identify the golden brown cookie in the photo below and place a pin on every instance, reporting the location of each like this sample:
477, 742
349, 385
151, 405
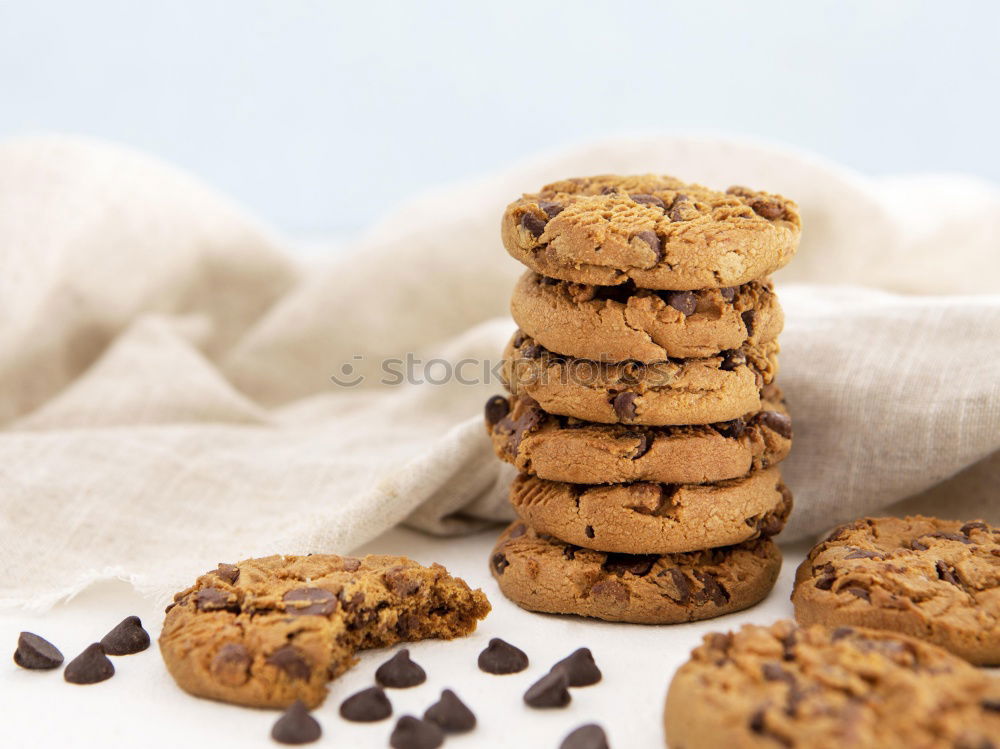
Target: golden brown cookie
561, 448
266, 632
654, 230
785, 686
938, 580
648, 518
683, 391
541, 573
619, 323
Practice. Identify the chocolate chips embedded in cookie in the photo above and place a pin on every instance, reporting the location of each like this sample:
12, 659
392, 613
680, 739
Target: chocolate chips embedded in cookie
231, 665
36, 653
624, 405
496, 408
501, 657
290, 660
549, 691
126, 638
400, 672
296, 726
90, 667
367, 706
580, 668
309, 602
413, 733
451, 714
684, 302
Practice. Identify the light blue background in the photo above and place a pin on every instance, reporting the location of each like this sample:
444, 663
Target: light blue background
318, 115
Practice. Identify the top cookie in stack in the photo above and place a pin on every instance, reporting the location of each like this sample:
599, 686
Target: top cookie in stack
643, 416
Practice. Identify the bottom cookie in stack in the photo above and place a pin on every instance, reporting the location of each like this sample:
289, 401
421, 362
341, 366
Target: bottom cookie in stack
541, 573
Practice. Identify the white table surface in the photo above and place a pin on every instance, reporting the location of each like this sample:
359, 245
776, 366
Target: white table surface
141, 706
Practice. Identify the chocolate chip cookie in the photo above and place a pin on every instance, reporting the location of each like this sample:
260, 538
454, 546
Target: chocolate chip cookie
671, 392
266, 632
656, 231
938, 580
648, 518
785, 686
561, 448
619, 323
541, 573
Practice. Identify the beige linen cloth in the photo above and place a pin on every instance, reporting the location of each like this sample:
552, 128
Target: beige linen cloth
166, 399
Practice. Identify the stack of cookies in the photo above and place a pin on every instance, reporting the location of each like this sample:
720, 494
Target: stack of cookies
642, 415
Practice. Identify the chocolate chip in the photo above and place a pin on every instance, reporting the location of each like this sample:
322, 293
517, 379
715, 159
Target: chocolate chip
351, 603
859, 592
974, 525
500, 657
496, 408
451, 714
580, 668
917, 545
519, 339
290, 659
613, 589
366, 706
549, 691
518, 530
399, 672
533, 224
767, 208
682, 209
400, 582
774, 672
36, 652
213, 599
551, 208
350, 564
840, 633
637, 564
863, 554
756, 721
90, 667
228, 572
296, 726
317, 602
992, 706
788, 643
682, 584
624, 405
650, 238
499, 562
532, 351
712, 589
590, 736
732, 429
729, 293
413, 733
645, 442
126, 638
777, 422
826, 580
961, 538
648, 200
731, 359
749, 317
947, 573
684, 302
231, 665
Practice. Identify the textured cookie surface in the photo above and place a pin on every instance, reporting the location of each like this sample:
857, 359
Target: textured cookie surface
648, 518
266, 632
619, 323
671, 392
654, 230
541, 573
561, 448
785, 686
934, 579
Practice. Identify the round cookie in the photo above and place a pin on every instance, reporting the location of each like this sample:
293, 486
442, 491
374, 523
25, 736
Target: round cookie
785, 686
647, 518
654, 230
671, 392
938, 580
267, 632
561, 448
541, 573
619, 323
